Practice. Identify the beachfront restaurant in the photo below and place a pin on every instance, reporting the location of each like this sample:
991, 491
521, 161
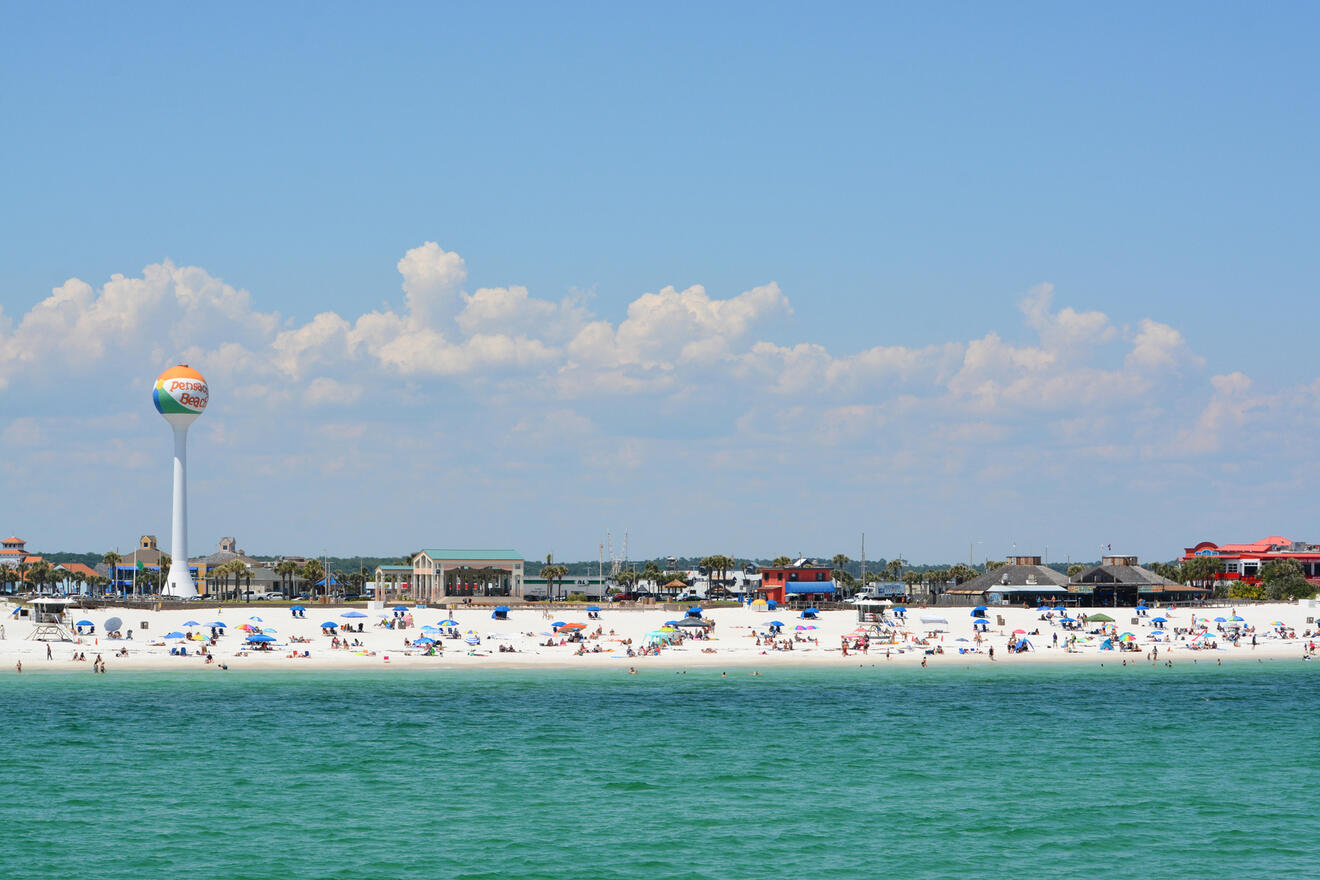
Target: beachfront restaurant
808, 583
444, 574
1120, 581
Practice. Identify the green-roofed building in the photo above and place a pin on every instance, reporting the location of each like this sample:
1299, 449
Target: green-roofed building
447, 573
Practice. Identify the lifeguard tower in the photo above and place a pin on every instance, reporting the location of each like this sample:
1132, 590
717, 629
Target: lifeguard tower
50, 620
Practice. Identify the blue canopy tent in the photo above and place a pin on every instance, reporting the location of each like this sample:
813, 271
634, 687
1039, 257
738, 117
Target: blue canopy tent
772, 604
979, 611
501, 612
353, 614
694, 611
261, 638
809, 588
809, 613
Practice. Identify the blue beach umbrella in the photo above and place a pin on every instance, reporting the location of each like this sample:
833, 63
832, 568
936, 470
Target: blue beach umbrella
1059, 608
450, 622
1159, 620
557, 624
472, 640
255, 619
775, 623
89, 623
329, 624
297, 608
593, 607
400, 607
352, 614
1042, 607
430, 629
1221, 620
191, 623
174, 635
423, 641
899, 609
261, 638
1237, 618
218, 624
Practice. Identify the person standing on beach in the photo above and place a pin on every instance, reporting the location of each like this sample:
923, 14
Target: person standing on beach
19, 667
49, 656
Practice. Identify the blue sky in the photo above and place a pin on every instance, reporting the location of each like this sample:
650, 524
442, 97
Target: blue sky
943, 273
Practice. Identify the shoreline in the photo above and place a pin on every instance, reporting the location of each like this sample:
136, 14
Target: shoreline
738, 641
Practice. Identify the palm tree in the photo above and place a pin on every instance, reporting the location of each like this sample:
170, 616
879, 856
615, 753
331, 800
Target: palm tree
311, 572
780, 562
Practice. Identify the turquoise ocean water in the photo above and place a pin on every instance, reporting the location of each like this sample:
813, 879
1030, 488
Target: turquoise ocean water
874, 772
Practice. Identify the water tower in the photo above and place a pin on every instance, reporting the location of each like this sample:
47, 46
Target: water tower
180, 397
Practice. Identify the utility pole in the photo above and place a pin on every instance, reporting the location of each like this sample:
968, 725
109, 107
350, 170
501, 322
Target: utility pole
863, 562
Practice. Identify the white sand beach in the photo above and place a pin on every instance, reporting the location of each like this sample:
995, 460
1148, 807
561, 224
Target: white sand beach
739, 637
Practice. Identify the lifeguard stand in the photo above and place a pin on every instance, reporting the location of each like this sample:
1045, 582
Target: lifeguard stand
49, 621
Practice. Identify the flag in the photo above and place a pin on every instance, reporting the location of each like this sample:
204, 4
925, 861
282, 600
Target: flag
140, 566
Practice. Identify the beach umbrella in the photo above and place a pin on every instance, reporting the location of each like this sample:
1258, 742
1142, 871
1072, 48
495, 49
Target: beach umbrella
89, 623
1059, 608
191, 623
1042, 607
329, 624
1278, 623
1221, 620
593, 607
573, 626
775, 623
113, 623
430, 629
174, 635
472, 640
1102, 618
424, 641
800, 626
297, 608
557, 624
255, 619
1236, 617
218, 624
261, 638
400, 607
353, 614
447, 623
899, 609
1127, 637
1159, 620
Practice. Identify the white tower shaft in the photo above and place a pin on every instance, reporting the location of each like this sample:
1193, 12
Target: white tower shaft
179, 582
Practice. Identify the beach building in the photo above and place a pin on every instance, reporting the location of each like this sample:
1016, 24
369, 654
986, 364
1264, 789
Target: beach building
449, 573
391, 580
801, 580
13, 552
1119, 580
1021, 579
146, 556
1243, 561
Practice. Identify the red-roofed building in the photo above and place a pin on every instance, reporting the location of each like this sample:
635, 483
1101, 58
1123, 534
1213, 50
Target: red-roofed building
1243, 561
802, 581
